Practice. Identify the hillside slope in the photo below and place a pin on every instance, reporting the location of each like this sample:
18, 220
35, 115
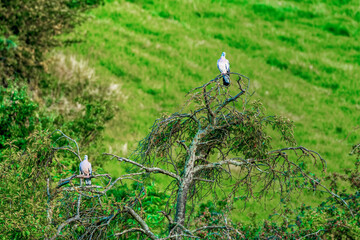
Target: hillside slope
302, 58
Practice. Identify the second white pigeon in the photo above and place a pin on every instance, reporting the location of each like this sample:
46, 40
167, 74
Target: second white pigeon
85, 169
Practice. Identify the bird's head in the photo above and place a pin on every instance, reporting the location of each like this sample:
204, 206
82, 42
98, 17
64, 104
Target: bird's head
85, 157
223, 54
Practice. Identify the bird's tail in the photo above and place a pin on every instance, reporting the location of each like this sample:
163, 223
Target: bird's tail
88, 181
226, 80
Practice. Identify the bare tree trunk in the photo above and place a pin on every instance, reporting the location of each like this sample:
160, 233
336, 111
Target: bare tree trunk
187, 179
181, 202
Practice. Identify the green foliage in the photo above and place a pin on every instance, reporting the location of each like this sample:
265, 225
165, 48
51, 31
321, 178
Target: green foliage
7, 44
148, 201
329, 220
83, 3
23, 204
33, 103
19, 116
35, 23
313, 82
75, 103
303, 49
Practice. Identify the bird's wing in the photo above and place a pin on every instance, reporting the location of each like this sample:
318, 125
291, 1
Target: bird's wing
218, 64
222, 65
90, 169
227, 65
81, 166
84, 167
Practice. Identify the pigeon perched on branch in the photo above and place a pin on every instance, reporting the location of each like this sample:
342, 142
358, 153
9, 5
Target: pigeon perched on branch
85, 169
224, 68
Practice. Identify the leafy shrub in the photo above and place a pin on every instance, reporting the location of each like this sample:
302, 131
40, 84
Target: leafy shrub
35, 99
83, 117
74, 102
31, 27
23, 196
19, 116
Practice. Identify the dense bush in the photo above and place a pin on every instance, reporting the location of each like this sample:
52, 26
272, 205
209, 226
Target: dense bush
23, 188
17, 116
82, 116
27, 31
35, 94
35, 99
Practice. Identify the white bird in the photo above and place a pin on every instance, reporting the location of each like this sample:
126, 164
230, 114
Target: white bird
85, 169
224, 68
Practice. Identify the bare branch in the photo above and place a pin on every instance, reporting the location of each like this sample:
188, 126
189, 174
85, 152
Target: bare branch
126, 176
70, 220
65, 181
131, 230
328, 190
147, 169
227, 101
49, 210
178, 236
210, 227
65, 148
303, 149
354, 149
233, 161
142, 223
180, 226
184, 145
204, 180
315, 233
93, 188
167, 215
79, 188
212, 115
78, 206
206, 84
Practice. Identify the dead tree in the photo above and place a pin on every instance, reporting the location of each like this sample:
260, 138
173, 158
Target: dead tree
217, 146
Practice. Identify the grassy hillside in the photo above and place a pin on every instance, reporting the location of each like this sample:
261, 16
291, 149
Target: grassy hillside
302, 58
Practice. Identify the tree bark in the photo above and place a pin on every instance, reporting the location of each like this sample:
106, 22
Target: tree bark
187, 179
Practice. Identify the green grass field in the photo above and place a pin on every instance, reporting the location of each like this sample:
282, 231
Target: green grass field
303, 59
